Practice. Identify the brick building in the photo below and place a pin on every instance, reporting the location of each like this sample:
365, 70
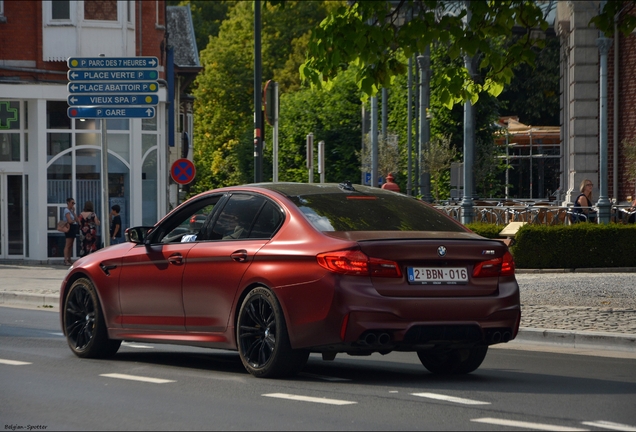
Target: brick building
580, 106
46, 157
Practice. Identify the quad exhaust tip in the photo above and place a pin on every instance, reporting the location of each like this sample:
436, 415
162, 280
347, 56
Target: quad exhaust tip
376, 339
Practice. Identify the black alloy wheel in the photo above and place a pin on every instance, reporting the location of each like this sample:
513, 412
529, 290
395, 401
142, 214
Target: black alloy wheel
456, 361
84, 323
262, 338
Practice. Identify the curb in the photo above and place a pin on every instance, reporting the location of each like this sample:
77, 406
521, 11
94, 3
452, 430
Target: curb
577, 270
18, 298
578, 339
559, 338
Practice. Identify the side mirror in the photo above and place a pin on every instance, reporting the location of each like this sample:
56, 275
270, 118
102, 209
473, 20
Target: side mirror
137, 234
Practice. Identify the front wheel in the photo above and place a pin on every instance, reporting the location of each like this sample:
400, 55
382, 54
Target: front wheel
457, 361
84, 323
262, 337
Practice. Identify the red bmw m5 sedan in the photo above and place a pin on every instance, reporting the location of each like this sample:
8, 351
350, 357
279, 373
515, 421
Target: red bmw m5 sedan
277, 271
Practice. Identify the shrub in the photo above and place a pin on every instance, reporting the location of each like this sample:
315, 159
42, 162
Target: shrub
582, 245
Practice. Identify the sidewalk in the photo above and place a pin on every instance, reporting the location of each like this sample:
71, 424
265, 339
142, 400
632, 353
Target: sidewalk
554, 312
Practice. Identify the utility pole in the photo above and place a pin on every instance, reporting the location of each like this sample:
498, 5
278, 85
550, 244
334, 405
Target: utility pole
424, 63
258, 101
469, 144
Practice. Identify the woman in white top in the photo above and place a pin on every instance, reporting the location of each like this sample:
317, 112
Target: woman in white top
71, 218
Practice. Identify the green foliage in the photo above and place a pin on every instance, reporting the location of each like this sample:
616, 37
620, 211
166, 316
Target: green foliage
488, 167
487, 230
333, 115
373, 36
619, 11
533, 93
437, 161
583, 245
224, 90
628, 150
206, 18
388, 154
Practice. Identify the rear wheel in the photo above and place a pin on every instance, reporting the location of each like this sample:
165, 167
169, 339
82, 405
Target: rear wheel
262, 337
84, 323
457, 361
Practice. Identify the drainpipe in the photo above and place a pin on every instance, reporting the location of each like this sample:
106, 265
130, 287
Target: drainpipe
604, 205
615, 116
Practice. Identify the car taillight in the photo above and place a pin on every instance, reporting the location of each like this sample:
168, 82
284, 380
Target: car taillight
355, 262
504, 266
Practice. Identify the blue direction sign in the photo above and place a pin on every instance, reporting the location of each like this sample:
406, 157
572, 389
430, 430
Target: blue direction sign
133, 99
116, 87
115, 112
112, 62
112, 75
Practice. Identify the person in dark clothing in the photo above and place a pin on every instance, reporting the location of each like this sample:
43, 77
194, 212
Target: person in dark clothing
88, 229
115, 225
582, 210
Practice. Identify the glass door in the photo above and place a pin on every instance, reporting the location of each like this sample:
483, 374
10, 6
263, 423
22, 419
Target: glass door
11, 216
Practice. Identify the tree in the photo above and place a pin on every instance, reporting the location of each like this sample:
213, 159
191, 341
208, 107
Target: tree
372, 35
628, 148
437, 161
332, 114
533, 93
224, 90
620, 12
206, 17
388, 154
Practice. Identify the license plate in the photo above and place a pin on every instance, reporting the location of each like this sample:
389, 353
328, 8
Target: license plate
438, 275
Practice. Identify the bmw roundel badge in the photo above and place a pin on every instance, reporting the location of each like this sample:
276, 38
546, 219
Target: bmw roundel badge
441, 251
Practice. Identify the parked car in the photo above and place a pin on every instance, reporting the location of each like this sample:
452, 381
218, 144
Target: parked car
279, 270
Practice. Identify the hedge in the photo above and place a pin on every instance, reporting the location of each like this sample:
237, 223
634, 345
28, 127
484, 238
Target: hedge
583, 245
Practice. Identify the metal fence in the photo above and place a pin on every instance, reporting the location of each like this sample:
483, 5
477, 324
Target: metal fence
534, 213
87, 190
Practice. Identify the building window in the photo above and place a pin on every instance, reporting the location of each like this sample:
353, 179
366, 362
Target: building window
74, 167
61, 10
100, 10
10, 131
3, 19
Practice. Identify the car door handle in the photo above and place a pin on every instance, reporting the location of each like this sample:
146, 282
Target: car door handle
239, 255
176, 259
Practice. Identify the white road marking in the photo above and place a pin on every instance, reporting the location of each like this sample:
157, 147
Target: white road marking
526, 425
137, 378
324, 378
14, 362
134, 345
309, 399
450, 399
610, 425
57, 334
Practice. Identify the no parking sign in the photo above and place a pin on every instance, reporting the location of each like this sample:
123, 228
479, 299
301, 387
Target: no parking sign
183, 171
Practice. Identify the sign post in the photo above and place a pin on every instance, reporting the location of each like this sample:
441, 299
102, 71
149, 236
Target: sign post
111, 87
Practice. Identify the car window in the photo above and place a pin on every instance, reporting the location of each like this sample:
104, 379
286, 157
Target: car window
186, 225
267, 222
380, 211
237, 217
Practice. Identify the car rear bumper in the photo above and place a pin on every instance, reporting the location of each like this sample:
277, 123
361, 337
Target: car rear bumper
360, 319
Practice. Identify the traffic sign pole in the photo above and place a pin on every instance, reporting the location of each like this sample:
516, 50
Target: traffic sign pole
111, 87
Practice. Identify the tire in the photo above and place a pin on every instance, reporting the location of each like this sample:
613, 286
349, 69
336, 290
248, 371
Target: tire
262, 339
458, 361
84, 324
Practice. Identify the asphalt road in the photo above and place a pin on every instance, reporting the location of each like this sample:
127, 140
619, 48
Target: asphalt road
155, 387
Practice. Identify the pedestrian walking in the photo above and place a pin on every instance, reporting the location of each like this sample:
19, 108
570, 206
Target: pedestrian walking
88, 229
71, 218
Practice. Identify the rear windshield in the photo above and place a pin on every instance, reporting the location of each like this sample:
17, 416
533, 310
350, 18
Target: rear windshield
382, 212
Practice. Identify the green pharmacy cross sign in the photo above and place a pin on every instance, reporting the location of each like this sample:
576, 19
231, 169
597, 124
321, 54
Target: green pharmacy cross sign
8, 115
